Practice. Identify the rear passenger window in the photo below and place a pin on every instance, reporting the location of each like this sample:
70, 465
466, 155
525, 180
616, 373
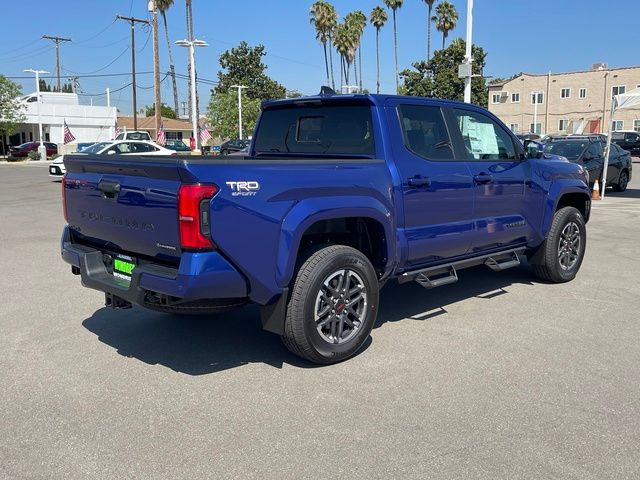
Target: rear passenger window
483, 138
425, 132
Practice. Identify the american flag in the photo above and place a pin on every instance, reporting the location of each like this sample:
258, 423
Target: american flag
161, 138
68, 136
204, 134
116, 131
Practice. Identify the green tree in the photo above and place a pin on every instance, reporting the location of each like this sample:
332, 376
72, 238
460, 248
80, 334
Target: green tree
446, 18
394, 5
429, 9
44, 86
163, 6
165, 110
378, 18
357, 22
439, 76
223, 114
11, 110
243, 66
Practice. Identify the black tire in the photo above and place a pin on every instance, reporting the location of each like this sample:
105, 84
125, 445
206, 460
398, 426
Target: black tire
558, 259
223, 152
623, 181
319, 274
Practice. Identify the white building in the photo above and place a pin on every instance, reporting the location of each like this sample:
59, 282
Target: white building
87, 123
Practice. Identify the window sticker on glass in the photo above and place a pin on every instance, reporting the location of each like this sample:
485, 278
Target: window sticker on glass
480, 137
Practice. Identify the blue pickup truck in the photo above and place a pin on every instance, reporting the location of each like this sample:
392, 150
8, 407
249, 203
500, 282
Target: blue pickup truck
338, 195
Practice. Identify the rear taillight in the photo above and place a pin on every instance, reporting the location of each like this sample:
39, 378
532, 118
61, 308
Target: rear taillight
64, 198
193, 216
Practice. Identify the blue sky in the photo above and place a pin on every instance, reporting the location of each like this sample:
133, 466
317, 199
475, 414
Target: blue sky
518, 35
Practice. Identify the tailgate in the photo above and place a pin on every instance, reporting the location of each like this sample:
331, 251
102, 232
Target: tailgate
124, 204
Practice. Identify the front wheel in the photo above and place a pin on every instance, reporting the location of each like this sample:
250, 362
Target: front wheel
560, 256
333, 305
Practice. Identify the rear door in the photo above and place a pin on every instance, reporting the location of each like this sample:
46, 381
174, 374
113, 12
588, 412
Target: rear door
498, 172
435, 184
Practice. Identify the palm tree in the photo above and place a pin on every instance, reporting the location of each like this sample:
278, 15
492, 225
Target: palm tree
344, 40
331, 17
395, 5
446, 19
430, 7
356, 22
378, 18
163, 6
319, 19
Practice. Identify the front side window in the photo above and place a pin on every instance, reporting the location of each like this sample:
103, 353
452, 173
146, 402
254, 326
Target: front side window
425, 132
316, 130
483, 138
596, 150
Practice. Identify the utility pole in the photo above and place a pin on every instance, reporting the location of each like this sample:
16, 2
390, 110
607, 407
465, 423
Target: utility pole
57, 41
153, 8
240, 88
467, 56
42, 150
133, 22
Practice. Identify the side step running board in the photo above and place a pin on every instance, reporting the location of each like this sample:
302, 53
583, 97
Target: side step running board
499, 264
446, 274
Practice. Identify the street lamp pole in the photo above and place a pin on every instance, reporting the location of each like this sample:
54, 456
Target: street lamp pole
468, 56
191, 44
239, 87
41, 149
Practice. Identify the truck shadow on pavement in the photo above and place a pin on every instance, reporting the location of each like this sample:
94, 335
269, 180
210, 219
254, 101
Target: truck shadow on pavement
628, 193
210, 344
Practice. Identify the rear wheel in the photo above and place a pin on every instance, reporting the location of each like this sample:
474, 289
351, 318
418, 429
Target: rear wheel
333, 305
623, 181
559, 258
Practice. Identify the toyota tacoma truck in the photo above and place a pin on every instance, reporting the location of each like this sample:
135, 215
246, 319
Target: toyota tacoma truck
338, 194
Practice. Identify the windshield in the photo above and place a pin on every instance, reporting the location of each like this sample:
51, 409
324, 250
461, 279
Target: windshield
95, 148
570, 150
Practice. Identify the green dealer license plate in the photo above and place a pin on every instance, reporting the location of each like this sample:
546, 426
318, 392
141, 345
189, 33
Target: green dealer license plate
123, 267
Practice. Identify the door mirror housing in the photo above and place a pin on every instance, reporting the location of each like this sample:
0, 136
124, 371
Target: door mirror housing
533, 149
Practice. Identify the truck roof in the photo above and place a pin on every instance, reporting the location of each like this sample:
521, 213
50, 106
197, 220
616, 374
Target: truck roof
372, 99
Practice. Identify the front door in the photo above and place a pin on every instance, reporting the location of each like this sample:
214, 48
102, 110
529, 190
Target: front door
436, 187
498, 171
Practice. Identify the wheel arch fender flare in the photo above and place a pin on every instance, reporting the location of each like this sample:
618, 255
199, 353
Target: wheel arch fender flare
561, 190
307, 212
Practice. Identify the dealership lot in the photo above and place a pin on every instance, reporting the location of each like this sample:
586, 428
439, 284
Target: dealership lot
498, 376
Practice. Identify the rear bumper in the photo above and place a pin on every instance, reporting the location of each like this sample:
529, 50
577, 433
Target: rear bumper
200, 276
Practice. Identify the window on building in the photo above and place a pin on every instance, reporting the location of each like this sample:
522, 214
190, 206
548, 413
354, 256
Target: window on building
583, 93
515, 128
515, 98
535, 128
495, 98
565, 93
537, 97
618, 90
636, 125
174, 135
617, 125
31, 136
563, 125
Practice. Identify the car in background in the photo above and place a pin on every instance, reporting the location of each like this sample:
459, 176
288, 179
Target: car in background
134, 135
588, 151
215, 150
177, 145
57, 168
234, 145
627, 140
24, 149
241, 153
528, 136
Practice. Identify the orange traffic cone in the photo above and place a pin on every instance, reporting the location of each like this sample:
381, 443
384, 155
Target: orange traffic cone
595, 193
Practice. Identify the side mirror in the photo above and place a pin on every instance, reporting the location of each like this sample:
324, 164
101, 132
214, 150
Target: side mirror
533, 149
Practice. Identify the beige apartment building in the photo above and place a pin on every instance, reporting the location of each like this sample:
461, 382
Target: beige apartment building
574, 102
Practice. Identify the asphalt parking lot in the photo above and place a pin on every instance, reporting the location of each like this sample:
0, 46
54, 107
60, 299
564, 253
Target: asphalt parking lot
498, 376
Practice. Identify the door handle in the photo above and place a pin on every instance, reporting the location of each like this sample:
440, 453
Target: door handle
109, 189
482, 178
417, 182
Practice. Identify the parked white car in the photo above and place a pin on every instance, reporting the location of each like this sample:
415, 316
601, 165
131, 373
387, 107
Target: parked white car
134, 135
128, 147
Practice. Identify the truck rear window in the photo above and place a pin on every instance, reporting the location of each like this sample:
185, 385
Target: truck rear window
324, 130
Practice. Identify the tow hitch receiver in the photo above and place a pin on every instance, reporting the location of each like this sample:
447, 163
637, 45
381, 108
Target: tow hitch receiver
113, 301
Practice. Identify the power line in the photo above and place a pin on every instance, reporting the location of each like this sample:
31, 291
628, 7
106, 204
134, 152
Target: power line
102, 68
